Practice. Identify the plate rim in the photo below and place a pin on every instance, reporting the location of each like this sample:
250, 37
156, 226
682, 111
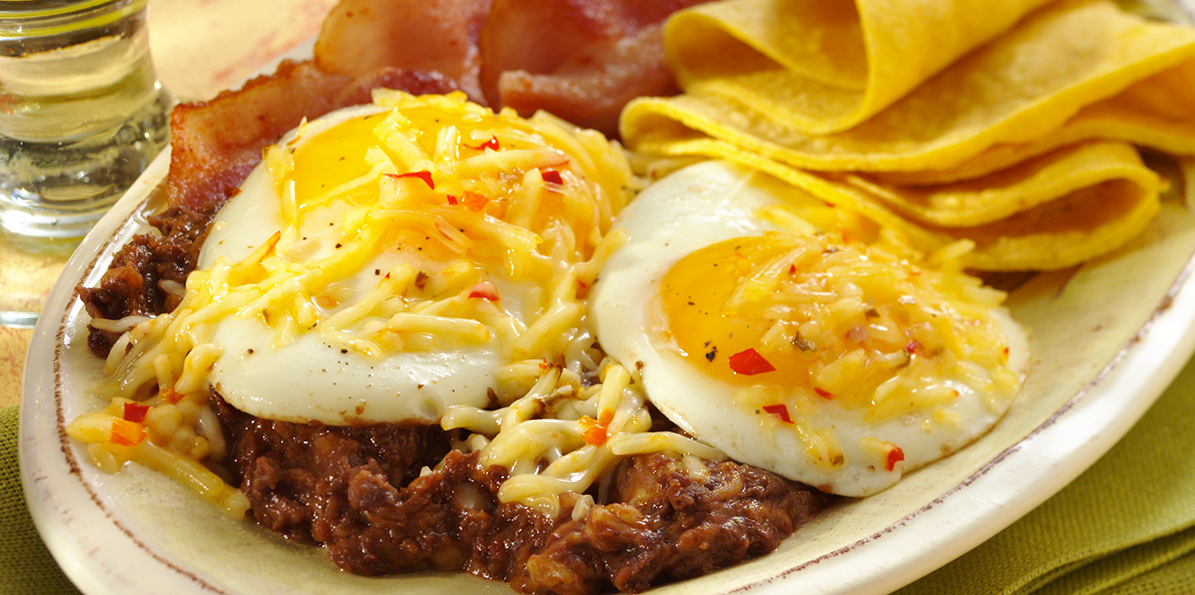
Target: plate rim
1131, 369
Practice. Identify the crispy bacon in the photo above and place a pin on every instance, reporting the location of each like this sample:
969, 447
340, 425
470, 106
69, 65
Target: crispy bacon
216, 143
416, 82
361, 36
578, 59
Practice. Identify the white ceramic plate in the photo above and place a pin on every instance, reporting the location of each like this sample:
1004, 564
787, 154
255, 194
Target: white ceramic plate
1107, 338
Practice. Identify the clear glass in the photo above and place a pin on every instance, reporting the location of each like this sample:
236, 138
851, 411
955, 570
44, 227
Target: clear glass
82, 112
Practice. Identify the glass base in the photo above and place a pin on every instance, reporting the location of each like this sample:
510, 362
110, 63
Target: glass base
58, 190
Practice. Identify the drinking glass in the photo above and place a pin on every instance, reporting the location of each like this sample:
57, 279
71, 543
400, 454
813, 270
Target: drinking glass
82, 112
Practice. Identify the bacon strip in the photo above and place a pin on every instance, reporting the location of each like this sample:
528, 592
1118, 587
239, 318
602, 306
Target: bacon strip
215, 144
579, 59
361, 36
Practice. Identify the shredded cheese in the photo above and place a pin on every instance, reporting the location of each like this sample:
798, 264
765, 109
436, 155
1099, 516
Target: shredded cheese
530, 200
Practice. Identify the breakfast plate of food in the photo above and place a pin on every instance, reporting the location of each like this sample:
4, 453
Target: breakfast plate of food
762, 318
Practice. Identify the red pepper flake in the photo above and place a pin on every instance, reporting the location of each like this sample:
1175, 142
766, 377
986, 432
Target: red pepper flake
895, 456
779, 410
543, 364
451, 199
170, 395
792, 269
823, 393
134, 412
484, 290
489, 144
127, 433
915, 348
551, 176
422, 174
749, 362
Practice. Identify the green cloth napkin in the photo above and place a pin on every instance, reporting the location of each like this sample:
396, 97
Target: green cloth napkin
1125, 527
25, 563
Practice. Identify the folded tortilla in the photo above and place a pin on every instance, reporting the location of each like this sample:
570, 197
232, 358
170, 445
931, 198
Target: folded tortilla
1021, 145
1024, 186
1075, 228
1157, 112
1022, 85
827, 65
1066, 230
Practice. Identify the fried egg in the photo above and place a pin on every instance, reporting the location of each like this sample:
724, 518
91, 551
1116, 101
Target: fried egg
759, 323
384, 262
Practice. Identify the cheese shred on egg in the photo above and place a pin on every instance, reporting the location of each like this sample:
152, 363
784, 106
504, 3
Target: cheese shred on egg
819, 348
397, 262
424, 260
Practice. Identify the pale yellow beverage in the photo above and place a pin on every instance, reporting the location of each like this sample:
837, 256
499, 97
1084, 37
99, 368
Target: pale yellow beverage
81, 111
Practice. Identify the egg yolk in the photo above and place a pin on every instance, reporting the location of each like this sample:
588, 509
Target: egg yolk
696, 293
335, 156
822, 319
434, 224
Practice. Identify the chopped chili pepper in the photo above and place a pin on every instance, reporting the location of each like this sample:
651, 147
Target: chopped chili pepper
551, 176
823, 393
489, 144
134, 412
605, 417
127, 433
475, 201
484, 290
594, 432
749, 362
451, 199
895, 456
422, 174
779, 410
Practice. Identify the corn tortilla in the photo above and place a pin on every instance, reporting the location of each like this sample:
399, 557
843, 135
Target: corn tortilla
829, 64
1026, 185
1065, 232
1016, 89
1149, 114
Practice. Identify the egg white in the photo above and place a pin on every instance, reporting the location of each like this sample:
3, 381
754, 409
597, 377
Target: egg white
308, 379
705, 204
